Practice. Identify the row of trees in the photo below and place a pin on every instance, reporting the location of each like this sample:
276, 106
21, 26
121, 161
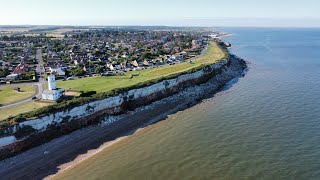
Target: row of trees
28, 76
79, 71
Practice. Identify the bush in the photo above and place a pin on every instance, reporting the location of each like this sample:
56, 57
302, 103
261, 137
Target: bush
88, 94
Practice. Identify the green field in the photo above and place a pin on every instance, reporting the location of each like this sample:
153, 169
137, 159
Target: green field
9, 96
108, 84
13, 111
103, 84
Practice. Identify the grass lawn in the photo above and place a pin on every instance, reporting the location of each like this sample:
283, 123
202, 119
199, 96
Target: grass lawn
106, 84
103, 84
5, 113
8, 95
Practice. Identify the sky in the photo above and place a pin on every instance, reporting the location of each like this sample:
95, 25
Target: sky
284, 13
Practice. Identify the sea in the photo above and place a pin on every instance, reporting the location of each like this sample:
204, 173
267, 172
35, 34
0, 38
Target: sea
265, 125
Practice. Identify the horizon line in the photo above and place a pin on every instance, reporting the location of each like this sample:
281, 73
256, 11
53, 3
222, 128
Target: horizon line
149, 25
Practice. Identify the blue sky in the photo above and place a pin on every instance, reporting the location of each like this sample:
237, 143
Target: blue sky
161, 12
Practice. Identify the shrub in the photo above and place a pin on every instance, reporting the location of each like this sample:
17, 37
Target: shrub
88, 94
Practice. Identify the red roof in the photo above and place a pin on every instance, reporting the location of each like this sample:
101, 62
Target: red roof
21, 69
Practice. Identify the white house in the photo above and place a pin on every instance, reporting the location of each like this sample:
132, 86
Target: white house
53, 93
125, 56
57, 70
12, 77
110, 66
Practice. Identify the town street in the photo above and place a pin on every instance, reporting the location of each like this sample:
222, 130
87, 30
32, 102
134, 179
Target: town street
40, 73
40, 85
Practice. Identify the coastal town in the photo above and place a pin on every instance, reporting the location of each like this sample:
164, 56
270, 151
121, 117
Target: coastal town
159, 90
55, 85
103, 52
39, 68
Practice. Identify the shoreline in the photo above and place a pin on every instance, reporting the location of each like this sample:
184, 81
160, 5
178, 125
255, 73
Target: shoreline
83, 157
105, 145
67, 151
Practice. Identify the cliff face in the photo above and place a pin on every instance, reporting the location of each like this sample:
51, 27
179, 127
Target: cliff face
35, 132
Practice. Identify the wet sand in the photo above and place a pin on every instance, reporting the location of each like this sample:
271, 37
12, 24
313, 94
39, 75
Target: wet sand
67, 151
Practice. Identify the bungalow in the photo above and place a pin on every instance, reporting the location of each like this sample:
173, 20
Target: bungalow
12, 77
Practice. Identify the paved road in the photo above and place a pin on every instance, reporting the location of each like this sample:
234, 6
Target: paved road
40, 73
40, 85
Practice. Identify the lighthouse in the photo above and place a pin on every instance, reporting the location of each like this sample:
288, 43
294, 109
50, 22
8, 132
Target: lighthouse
52, 83
53, 93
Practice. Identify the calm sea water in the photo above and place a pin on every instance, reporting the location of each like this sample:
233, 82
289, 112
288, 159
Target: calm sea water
265, 126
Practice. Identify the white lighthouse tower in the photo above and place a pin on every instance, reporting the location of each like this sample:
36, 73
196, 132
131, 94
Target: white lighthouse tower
52, 83
53, 93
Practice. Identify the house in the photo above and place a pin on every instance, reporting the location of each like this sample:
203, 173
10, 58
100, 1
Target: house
109, 73
110, 66
89, 70
178, 57
53, 93
145, 63
12, 77
134, 63
184, 54
21, 69
125, 56
57, 70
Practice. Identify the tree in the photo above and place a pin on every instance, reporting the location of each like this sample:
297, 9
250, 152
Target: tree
77, 71
4, 72
147, 55
161, 52
5, 38
99, 70
28, 76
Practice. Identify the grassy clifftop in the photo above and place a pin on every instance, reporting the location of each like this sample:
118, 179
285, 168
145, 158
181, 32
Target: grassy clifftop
111, 86
104, 84
8, 95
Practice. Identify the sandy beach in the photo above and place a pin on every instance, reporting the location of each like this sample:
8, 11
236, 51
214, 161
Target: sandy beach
67, 151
